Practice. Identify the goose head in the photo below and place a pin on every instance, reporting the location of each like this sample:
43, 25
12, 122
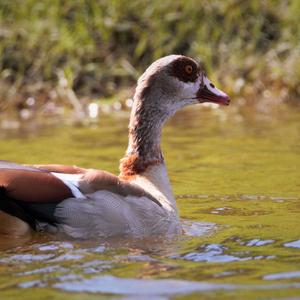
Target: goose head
168, 84
173, 82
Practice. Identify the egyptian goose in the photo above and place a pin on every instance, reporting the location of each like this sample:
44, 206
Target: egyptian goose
85, 203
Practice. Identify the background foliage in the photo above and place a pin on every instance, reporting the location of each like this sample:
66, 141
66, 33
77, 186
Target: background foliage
97, 47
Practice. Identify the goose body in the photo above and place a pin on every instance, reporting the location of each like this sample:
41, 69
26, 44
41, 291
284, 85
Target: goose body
85, 203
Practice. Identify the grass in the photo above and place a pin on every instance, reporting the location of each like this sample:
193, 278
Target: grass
96, 48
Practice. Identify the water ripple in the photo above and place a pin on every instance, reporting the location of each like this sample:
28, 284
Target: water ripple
294, 244
26, 258
283, 275
258, 242
154, 287
197, 228
129, 286
215, 253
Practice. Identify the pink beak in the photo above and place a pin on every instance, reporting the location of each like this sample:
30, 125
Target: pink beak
209, 93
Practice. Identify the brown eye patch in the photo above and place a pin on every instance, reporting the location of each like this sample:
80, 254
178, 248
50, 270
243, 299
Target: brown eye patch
185, 69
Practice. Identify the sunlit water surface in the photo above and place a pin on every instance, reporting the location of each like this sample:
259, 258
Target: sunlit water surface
236, 177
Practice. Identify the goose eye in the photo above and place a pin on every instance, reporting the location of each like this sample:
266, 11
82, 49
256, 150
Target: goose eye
188, 69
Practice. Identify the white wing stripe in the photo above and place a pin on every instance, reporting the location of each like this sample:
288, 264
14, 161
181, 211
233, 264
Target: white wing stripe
71, 181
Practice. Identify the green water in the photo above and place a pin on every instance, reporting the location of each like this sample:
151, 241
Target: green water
237, 182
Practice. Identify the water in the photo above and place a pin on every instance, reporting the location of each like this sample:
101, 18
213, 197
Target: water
237, 183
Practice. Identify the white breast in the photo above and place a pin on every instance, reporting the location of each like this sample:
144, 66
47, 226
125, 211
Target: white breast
156, 182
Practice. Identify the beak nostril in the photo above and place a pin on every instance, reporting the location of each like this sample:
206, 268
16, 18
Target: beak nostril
212, 85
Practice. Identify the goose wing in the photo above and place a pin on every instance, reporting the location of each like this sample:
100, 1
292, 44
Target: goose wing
29, 193
31, 184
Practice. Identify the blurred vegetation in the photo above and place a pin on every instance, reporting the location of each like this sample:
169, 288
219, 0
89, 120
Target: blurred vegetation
96, 48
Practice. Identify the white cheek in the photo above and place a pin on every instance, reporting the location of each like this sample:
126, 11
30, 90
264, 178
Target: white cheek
189, 89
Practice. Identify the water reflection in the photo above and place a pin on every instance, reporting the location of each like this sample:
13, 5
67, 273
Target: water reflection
197, 228
258, 242
294, 244
214, 253
283, 275
26, 258
141, 287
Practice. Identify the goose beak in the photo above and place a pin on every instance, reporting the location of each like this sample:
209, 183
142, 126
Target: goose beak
209, 93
